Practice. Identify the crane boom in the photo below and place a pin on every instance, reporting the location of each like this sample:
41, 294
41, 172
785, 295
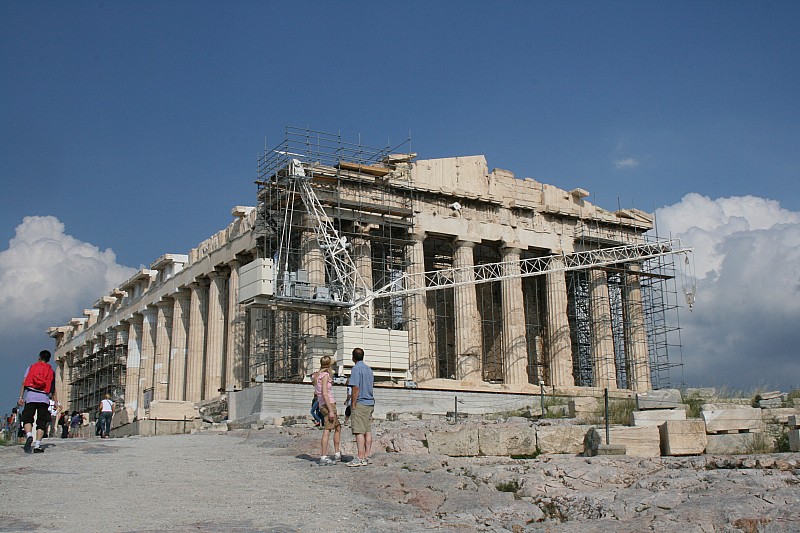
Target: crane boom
343, 273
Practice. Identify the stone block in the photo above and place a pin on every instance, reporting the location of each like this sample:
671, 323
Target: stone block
734, 443
638, 441
780, 415
458, 443
702, 393
792, 421
122, 417
560, 439
172, 410
730, 420
611, 449
659, 399
593, 445
771, 395
583, 408
770, 403
507, 440
683, 437
794, 440
656, 417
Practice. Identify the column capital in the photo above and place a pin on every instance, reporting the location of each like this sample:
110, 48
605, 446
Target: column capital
513, 245
135, 318
418, 237
198, 283
218, 273
463, 243
181, 292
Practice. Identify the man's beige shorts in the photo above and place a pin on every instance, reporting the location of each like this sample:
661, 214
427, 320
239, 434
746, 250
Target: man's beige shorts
361, 418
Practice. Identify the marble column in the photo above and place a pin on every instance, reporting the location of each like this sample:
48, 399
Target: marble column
421, 351
635, 329
150, 315
467, 321
515, 346
558, 335
604, 374
361, 253
311, 325
215, 335
235, 367
177, 354
196, 342
121, 353
62, 382
132, 392
163, 348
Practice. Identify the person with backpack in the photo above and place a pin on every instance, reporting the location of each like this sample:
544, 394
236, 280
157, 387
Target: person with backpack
38, 387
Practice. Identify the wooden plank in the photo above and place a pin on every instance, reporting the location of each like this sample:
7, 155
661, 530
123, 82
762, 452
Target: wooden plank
364, 169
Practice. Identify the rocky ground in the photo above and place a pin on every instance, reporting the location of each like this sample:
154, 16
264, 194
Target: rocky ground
267, 479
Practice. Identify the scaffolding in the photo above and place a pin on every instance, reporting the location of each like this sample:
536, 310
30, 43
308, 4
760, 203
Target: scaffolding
97, 374
365, 195
654, 283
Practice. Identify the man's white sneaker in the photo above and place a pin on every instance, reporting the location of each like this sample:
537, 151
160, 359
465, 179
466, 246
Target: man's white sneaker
357, 462
326, 461
337, 457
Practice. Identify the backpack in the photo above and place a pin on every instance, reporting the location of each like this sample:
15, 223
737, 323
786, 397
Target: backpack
40, 377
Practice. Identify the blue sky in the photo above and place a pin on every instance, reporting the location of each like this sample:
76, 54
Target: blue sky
136, 126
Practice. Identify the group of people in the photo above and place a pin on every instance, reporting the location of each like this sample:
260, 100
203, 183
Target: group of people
362, 405
37, 397
39, 403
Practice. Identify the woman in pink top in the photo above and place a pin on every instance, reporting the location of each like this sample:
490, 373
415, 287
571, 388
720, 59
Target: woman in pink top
323, 388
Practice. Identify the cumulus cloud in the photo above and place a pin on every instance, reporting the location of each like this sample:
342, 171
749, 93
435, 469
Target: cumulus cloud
47, 277
628, 162
743, 331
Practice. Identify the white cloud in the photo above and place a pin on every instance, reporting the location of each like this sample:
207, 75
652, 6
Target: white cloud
47, 277
628, 162
744, 329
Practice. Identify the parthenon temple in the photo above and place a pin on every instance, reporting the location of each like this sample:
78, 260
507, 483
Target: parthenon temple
182, 330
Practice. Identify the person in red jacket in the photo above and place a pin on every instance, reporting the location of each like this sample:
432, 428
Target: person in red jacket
38, 387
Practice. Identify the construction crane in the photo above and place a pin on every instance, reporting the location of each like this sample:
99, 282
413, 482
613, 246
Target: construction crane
349, 293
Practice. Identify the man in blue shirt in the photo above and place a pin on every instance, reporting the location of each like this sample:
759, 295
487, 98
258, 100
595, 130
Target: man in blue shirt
362, 380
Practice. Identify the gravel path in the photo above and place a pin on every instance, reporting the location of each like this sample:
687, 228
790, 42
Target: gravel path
238, 481
268, 480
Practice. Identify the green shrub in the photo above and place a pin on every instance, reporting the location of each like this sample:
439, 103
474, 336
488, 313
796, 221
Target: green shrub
695, 407
619, 411
782, 442
761, 444
511, 485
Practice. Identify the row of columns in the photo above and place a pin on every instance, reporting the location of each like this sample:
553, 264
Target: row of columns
189, 346
468, 342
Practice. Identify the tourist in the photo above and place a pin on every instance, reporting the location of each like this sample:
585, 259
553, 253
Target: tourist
38, 387
106, 413
348, 403
363, 404
63, 421
323, 387
315, 414
52, 410
75, 423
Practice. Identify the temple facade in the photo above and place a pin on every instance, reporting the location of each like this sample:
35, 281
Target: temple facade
178, 331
